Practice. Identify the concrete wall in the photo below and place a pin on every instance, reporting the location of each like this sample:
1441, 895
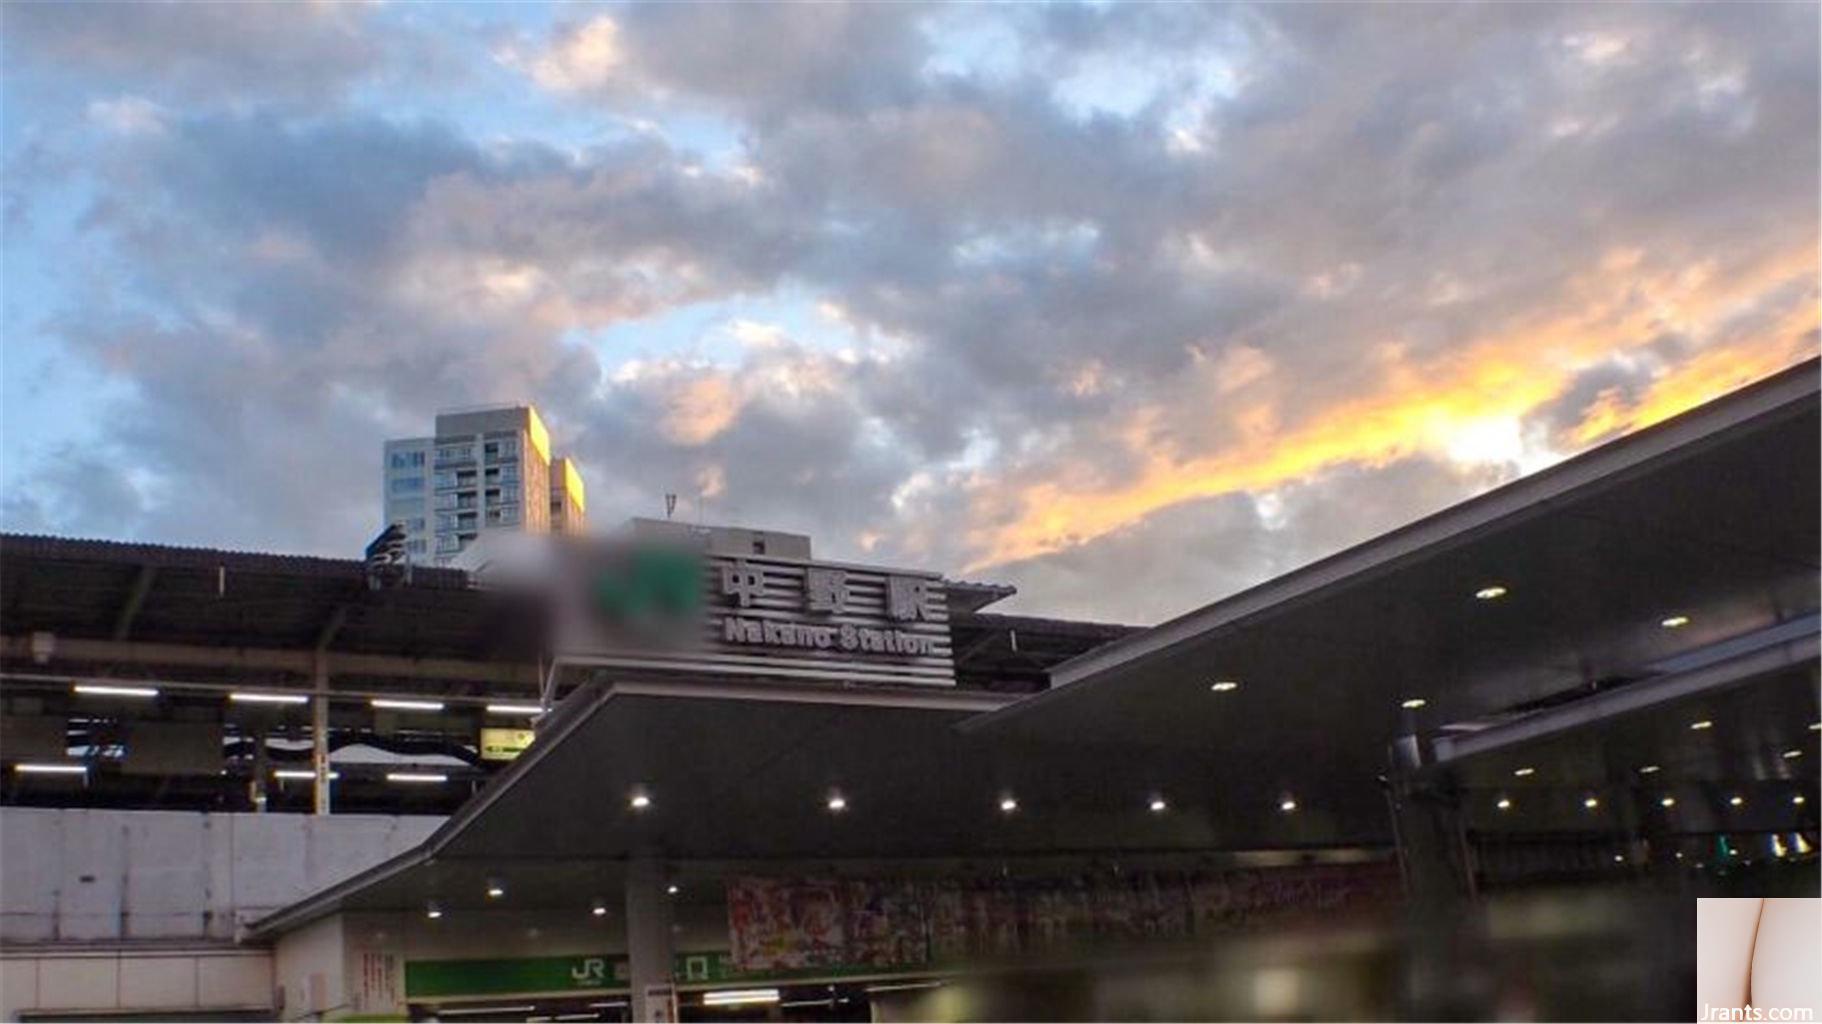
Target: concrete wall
75, 876
99, 981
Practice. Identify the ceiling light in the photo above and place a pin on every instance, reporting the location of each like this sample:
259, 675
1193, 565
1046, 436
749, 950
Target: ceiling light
476, 1011
1815, 727
98, 690
1522, 772
268, 698
416, 777
1675, 622
301, 773
1736, 801
1504, 804
1591, 802
1669, 801
1798, 800
495, 890
394, 704
599, 909
37, 768
1008, 805
1413, 704
1703, 724
1792, 754
433, 911
1648, 769
514, 709
1287, 805
837, 803
1157, 805
740, 997
672, 890
639, 802
1225, 686
1491, 593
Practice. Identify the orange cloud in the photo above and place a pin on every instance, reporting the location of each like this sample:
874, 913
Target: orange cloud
1430, 406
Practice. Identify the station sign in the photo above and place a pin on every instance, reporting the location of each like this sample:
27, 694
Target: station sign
671, 608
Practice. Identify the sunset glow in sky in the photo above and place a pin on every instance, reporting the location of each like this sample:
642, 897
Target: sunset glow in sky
1131, 306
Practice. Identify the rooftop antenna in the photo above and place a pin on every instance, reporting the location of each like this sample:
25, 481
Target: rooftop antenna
670, 505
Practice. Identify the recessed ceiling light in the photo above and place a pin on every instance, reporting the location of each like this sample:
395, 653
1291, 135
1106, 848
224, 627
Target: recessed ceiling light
1619, 858
1008, 805
495, 890
1736, 801
1792, 754
98, 690
838, 803
416, 777
1648, 769
1504, 804
599, 909
1669, 801
1702, 724
1522, 772
639, 801
1287, 805
1815, 727
1675, 622
1413, 703
1798, 800
1591, 802
300, 773
672, 889
1490, 593
433, 911
1224, 686
1157, 805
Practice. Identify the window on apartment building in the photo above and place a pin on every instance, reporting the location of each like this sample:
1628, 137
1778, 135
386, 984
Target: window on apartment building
407, 484
493, 495
416, 547
404, 508
407, 460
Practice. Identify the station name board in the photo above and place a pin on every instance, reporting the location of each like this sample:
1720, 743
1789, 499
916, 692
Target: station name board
670, 610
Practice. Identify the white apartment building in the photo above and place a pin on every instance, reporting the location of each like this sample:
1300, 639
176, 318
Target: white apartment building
485, 469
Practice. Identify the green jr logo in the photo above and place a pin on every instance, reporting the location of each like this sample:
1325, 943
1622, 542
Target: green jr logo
650, 585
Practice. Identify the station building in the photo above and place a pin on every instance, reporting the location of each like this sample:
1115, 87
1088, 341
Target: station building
864, 796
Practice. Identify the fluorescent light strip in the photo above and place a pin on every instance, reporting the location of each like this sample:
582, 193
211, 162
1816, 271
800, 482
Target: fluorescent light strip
393, 704
471, 1011
268, 698
98, 690
34, 768
415, 777
514, 709
609, 1006
301, 773
740, 997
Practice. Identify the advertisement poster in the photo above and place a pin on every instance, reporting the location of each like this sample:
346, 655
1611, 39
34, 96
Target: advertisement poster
785, 924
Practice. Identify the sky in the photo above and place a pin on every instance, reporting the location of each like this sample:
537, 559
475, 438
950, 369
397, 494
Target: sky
1131, 306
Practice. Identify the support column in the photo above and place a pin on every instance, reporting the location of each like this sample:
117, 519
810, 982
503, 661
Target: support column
1433, 851
319, 732
648, 941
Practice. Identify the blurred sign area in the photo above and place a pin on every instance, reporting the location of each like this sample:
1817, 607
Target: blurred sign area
667, 608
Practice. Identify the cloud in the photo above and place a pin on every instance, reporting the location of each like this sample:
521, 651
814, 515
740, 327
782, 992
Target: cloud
948, 286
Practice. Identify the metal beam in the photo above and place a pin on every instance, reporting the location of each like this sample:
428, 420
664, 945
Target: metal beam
298, 661
1640, 696
136, 599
